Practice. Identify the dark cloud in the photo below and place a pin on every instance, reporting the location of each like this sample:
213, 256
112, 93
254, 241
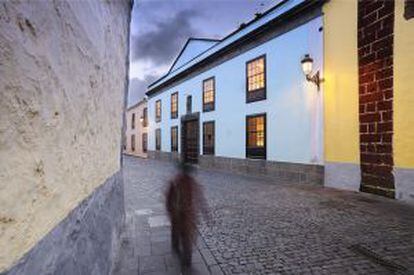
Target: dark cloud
159, 29
138, 87
163, 43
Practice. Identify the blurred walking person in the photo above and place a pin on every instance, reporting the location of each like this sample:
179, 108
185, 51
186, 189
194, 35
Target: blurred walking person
184, 201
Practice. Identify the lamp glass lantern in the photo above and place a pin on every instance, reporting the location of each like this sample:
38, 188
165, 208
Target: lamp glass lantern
307, 65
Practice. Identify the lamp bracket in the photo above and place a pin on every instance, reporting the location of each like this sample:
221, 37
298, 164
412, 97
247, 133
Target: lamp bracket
316, 79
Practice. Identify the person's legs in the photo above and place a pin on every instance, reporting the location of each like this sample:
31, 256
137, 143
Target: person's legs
175, 237
187, 244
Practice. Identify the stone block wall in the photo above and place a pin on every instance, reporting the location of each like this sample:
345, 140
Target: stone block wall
291, 173
166, 156
272, 170
64, 71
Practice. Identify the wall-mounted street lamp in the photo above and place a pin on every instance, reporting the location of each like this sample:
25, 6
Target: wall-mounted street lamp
141, 119
307, 64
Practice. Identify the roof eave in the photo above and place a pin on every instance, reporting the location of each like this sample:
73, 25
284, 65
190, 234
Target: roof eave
303, 6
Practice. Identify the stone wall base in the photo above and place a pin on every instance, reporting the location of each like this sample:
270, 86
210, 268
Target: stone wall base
283, 171
168, 156
404, 184
86, 241
346, 176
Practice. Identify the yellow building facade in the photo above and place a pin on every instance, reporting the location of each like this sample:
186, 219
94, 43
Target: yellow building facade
344, 117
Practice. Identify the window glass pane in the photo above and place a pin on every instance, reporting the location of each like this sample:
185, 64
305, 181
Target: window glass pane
260, 124
208, 138
158, 139
158, 109
255, 77
174, 138
256, 136
256, 131
133, 142
174, 105
252, 139
208, 94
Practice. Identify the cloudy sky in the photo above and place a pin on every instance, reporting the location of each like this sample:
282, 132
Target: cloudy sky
161, 27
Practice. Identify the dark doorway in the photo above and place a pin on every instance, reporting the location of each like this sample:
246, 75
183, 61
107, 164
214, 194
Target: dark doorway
190, 139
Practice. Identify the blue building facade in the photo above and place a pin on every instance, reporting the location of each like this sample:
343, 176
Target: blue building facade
243, 103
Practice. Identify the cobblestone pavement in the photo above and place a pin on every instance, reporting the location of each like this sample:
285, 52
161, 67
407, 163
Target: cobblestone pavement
263, 227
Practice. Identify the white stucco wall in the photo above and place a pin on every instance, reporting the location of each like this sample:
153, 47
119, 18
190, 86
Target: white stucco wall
63, 76
293, 105
138, 130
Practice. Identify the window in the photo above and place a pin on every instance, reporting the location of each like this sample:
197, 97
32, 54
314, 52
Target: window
158, 139
256, 136
144, 142
409, 9
209, 90
256, 79
208, 138
145, 117
158, 110
132, 142
174, 139
174, 105
133, 121
189, 104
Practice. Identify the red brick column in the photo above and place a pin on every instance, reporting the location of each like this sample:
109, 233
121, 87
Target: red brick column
375, 61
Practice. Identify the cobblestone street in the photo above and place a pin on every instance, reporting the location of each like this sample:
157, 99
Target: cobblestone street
263, 227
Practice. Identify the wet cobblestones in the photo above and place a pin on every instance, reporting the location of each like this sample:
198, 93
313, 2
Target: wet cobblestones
265, 227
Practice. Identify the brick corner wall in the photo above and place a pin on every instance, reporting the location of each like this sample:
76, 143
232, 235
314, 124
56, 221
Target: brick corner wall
375, 62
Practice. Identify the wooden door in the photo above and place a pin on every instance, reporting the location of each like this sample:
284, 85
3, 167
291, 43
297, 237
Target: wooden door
191, 141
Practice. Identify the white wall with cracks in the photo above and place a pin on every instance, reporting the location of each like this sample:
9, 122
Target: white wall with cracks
62, 80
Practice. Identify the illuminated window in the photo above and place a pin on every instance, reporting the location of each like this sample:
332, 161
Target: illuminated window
133, 121
208, 138
256, 136
158, 110
144, 142
174, 105
132, 142
157, 139
174, 139
209, 89
256, 79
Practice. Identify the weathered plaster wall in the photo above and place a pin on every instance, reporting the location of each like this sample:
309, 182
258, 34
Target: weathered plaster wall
341, 127
63, 76
87, 241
